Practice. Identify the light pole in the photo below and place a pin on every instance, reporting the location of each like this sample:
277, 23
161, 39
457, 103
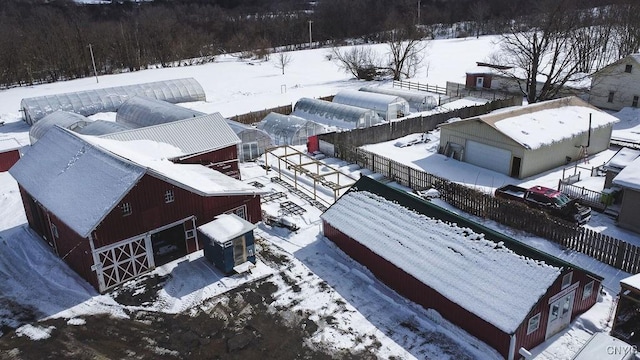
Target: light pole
93, 61
310, 38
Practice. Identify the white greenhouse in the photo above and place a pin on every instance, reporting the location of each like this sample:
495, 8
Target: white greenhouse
290, 129
91, 102
344, 117
418, 100
141, 111
63, 119
388, 107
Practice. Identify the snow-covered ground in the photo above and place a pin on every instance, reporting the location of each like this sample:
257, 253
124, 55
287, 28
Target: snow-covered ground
366, 311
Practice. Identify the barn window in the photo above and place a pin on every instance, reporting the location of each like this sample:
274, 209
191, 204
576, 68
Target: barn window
240, 211
628, 68
588, 289
168, 196
126, 209
610, 99
566, 280
534, 323
54, 230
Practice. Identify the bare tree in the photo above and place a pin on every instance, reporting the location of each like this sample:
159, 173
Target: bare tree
283, 60
359, 61
406, 52
480, 11
543, 50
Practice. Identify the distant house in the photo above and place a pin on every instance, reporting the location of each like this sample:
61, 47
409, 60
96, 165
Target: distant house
9, 153
617, 85
531, 139
113, 210
207, 140
501, 291
626, 323
511, 80
629, 180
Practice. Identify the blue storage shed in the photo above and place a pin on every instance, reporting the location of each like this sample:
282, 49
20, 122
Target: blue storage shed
229, 243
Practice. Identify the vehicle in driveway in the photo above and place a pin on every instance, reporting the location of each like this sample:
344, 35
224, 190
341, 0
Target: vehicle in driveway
550, 200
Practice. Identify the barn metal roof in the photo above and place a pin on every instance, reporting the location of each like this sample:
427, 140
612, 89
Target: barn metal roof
192, 135
74, 179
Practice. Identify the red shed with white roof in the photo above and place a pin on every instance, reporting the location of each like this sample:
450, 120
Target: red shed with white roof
9, 153
499, 290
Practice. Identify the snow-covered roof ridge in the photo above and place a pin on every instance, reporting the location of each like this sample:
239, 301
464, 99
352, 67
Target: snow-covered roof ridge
75, 180
154, 158
543, 123
9, 144
455, 261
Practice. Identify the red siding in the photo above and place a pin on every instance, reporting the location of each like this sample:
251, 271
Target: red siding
8, 158
471, 80
149, 210
542, 307
416, 291
224, 160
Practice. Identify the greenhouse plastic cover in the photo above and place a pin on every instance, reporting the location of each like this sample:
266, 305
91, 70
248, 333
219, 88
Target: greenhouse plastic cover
101, 127
109, 99
368, 100
418, 101
290, 129
142, 111
64, 119
336, 115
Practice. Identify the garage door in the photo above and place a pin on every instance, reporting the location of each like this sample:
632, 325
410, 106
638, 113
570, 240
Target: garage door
488, 157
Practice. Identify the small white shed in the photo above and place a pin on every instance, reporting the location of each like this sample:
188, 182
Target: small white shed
388, 107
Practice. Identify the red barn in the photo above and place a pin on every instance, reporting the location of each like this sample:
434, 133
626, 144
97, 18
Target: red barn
497, 289
9, 153
113, 210
207, 140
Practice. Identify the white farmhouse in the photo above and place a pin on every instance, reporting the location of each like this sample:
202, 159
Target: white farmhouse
617, 85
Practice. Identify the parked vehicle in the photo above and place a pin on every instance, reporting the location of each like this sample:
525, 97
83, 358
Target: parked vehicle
550, 200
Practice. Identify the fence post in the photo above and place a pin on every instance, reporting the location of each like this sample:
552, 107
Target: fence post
620, 254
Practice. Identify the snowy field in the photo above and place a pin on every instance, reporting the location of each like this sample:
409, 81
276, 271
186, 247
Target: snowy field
365, 311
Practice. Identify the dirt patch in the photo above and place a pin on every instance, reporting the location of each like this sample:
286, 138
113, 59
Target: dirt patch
235, 326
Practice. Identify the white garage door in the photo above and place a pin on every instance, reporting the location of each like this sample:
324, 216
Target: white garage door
488, 157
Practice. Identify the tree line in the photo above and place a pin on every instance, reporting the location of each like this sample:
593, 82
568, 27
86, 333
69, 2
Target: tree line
48, 40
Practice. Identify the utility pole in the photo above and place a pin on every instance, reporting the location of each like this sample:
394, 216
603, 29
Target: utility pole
93, 61
418, 22
310, 38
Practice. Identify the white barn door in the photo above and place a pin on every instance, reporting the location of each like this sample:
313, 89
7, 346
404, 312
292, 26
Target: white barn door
488, 157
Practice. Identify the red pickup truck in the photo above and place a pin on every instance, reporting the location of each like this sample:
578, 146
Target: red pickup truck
553, 201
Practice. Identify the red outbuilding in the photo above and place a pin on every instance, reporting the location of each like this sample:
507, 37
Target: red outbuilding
9, 153
116, 209
496, 288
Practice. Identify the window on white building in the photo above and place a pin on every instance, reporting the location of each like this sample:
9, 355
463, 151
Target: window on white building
628, 68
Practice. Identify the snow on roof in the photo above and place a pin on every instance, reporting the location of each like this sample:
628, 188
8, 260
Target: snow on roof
456, 262
622, 158
192, 177
632, 281
9, 144
192, 136
629, 177
544, 123
74, 179
226, 227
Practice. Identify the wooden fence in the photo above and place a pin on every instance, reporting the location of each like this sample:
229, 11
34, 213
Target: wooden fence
607, 249
420, 87
257, 116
